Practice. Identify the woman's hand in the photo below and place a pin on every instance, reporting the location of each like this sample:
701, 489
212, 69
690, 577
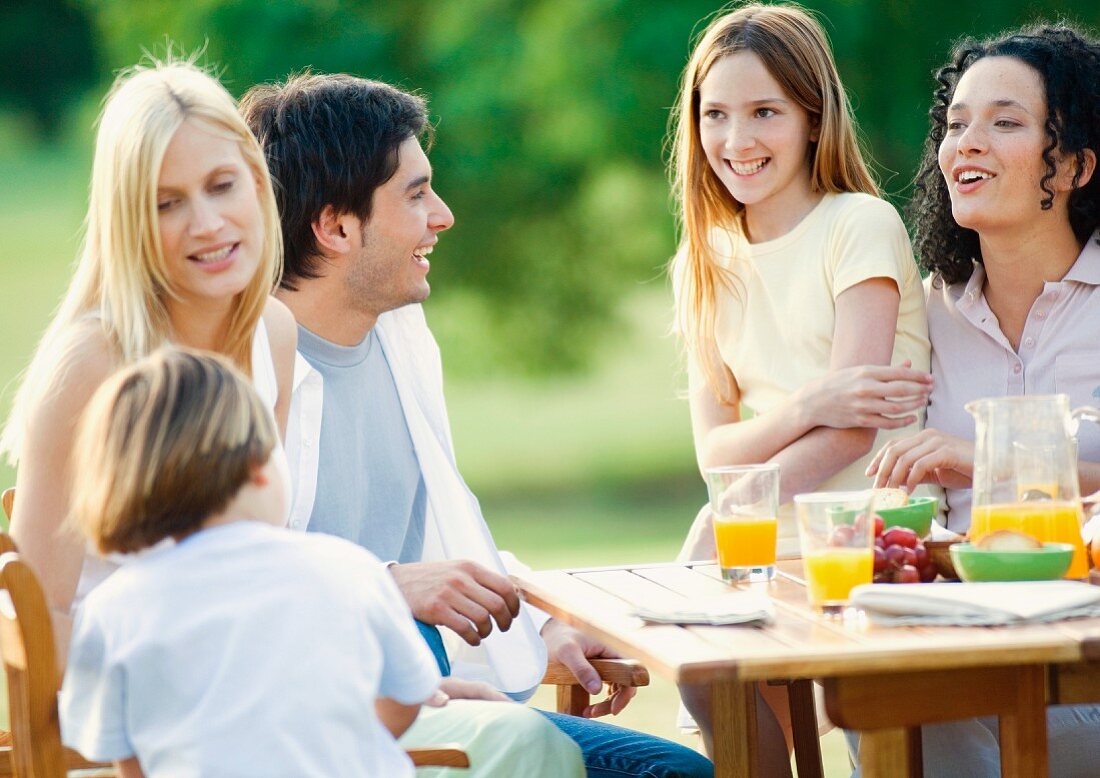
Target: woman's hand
929, 457
866, 396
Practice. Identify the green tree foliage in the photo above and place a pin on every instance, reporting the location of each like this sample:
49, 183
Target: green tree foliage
47, 60
551, 117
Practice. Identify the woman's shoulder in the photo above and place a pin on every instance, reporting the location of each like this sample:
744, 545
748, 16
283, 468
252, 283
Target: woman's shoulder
86, 357
279, 321
282, 331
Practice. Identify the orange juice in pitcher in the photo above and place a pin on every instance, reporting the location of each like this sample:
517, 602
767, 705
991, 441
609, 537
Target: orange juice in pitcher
1047, 521
1025, 470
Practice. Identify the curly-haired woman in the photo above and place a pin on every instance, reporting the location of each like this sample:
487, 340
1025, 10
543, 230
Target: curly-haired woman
1006, 211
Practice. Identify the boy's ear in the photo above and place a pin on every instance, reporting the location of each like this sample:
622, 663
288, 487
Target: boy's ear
333, 231
257, 476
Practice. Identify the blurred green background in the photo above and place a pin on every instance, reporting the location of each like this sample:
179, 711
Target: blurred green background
549, 298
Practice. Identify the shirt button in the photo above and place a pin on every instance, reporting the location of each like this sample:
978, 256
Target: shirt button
1029, 342
307, 443
1016, 369
1040, 314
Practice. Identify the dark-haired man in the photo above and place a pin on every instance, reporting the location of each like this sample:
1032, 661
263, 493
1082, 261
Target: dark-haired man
369, 439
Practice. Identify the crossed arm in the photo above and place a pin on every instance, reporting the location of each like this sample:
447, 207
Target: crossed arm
831, 421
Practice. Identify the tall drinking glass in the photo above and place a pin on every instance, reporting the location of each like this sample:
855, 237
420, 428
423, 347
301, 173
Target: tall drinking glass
838, 537
745, 502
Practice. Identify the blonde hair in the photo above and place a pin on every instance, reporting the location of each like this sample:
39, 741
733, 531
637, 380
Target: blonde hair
795, 50
173, 438
121, 278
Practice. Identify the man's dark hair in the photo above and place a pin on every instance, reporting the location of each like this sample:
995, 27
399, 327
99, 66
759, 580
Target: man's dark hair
329, 140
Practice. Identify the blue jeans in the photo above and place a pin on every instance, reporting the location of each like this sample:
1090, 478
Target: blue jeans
609, 751
613, 752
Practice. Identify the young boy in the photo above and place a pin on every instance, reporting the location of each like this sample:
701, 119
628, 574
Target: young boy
240, 648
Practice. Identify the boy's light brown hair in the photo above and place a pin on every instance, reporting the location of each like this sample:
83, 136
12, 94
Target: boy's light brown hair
164, 444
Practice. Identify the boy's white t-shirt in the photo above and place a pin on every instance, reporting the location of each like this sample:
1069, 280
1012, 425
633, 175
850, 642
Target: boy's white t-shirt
245, 650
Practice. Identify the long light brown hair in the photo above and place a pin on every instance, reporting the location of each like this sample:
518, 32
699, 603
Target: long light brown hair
121, 282
795, 50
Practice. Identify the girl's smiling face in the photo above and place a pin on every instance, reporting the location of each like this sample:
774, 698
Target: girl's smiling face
755, 137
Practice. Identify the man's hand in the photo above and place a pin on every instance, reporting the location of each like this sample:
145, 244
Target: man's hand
573, 649
460, 595
459, 689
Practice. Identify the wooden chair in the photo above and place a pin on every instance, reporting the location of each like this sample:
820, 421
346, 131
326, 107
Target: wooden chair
573, 698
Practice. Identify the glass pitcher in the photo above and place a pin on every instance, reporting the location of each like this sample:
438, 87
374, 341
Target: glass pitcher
1025, 470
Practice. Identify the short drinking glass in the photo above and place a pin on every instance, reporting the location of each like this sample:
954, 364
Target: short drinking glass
838, 537
745, 500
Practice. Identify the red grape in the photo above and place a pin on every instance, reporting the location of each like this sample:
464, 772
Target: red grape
842, 536
900, 536
899, 562
880, 525
907, 574
895, 556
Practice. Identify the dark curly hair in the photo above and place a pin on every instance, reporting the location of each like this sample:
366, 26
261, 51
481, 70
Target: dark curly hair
1068, 61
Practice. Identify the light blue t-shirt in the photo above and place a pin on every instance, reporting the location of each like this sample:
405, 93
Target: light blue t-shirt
369, 486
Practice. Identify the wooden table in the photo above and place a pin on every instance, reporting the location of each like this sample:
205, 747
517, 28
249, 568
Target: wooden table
883, 681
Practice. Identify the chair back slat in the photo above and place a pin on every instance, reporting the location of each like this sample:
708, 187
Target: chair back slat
27, 650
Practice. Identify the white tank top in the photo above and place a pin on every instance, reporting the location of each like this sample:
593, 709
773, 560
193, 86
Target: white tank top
97, 568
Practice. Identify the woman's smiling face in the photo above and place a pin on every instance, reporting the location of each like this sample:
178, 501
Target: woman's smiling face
992, 154
211, 227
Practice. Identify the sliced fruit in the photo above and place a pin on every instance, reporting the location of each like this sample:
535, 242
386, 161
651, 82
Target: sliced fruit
1008, 540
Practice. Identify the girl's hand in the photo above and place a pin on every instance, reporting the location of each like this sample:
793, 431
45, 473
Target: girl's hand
867, 396
929, 457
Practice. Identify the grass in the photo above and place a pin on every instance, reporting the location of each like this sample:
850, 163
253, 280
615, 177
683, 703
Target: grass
593, 469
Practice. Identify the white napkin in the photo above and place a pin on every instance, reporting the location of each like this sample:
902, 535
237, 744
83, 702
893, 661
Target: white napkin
750, 608
984, 604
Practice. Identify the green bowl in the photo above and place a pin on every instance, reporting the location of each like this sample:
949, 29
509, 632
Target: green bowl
917, 515
979, 564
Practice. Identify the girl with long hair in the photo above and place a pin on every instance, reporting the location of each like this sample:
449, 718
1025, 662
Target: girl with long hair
796, 290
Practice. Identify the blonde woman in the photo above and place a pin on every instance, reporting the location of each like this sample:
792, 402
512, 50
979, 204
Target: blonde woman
796, 288
182, 245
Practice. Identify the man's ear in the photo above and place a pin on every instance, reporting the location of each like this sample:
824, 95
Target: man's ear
334, 231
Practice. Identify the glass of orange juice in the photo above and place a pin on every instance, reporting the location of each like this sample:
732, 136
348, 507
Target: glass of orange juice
745, 502
837, 537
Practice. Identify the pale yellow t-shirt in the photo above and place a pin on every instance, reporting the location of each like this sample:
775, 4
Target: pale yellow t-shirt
774, 326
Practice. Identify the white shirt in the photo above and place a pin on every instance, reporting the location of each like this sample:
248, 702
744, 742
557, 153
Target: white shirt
245, 650
96, 568
513, 661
